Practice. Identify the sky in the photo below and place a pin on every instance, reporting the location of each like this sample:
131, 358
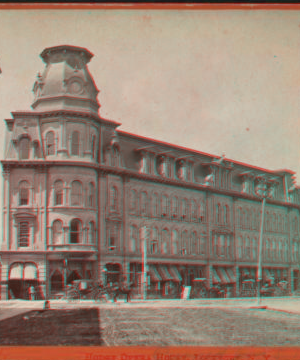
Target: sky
214, 81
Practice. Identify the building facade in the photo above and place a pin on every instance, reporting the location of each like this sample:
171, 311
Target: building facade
77, 193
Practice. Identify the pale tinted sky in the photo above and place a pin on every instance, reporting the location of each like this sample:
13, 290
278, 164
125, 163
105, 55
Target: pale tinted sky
216, 81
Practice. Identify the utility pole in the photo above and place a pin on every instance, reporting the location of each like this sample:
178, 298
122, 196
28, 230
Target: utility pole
144, 263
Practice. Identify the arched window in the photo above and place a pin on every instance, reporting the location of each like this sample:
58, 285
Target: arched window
226, 214
221, 244
193, 245
76, 193
165, 205
50, 143
92, 232
133, 200
247, 248
254, 249
91, 195
154, 241
240, 247
143, 203
133, 238
58, 192
23, 193
174, 239
75, 143
24, 148
114, 198
75, 232
23, 234
202, 244
57, 232
165, 241
184, 243
194, 209
184, 208
93, 146
154, 205
174, 206
268, 252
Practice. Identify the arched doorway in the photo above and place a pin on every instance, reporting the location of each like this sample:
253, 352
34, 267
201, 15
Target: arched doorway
22, 276
113, 273
57, 282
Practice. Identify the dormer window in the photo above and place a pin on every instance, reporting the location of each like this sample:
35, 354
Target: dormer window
24, 149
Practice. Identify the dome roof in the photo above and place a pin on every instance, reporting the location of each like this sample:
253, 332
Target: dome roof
66, 82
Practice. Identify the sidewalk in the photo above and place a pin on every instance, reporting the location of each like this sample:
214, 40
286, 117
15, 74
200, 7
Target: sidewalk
290, 305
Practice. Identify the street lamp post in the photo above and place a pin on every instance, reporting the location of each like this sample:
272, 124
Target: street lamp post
259, 270
65, 275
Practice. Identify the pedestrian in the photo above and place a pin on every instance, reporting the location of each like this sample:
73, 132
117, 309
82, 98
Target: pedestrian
31, 292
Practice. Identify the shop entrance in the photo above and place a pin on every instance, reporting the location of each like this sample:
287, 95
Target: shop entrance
21, 278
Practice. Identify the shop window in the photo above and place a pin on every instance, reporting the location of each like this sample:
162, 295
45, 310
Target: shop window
23, 234
58, 192
75, 143
113, 238
57, 232
75, 232
23, 193
24, 148
50, 143
76, 193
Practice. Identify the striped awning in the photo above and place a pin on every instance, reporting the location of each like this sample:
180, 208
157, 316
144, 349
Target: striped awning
215, 277
16, 272
175, 273
230, 274
223, 276
154, 275
30, 272
164, 273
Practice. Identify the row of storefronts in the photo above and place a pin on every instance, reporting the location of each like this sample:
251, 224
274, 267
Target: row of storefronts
163, 280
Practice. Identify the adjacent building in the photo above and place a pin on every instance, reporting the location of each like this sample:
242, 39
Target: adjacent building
77, 193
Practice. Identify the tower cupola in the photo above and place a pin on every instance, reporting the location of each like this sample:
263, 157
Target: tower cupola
66, 83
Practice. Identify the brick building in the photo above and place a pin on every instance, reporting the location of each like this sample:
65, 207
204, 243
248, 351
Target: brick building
77, 192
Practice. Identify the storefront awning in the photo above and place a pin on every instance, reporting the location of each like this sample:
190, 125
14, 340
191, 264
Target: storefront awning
175, 273
164, 273
154, 275
223, 276
215, 277
230, 274
16, 272
30, 272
